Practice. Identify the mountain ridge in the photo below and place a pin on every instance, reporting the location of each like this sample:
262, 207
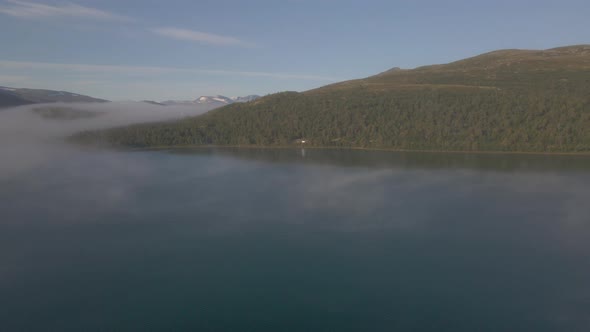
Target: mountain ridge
505, 100
24, 96
217, 100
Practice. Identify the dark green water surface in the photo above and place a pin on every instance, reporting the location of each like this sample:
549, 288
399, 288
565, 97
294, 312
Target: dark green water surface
285, 240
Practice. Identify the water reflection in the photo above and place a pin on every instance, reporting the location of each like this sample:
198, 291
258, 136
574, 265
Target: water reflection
412, 160
219, 239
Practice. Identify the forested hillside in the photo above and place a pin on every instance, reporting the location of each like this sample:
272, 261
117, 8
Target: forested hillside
510, 100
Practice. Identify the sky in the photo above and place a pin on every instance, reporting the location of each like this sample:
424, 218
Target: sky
182, 49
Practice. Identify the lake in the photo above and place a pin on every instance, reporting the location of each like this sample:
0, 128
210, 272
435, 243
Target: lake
292, 240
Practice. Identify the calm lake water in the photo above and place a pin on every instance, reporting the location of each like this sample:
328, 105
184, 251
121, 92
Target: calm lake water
286, 240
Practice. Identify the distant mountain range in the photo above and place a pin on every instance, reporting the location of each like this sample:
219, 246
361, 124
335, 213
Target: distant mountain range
216, 101
507, 100
152, 102
10, 97
20, 96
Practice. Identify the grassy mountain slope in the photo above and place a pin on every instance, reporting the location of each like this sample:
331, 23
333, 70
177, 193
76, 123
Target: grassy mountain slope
509, 100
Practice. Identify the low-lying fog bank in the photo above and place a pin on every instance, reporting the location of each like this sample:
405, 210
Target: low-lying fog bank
29, 137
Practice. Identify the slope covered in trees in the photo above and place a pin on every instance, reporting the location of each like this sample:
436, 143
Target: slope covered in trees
510, 100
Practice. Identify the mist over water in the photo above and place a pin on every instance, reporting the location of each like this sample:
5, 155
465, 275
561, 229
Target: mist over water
28, 140
267, 240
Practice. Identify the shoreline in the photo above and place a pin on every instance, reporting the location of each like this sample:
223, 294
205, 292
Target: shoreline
291, 147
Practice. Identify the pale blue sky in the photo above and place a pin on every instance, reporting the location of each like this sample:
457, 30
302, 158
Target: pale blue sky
147, 49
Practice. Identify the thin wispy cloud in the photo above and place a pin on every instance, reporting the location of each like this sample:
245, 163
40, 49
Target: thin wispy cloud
12, 78
200, 37
150, 70
34, 10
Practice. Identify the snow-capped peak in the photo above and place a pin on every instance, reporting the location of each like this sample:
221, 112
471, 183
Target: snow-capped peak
214, 99
217, 100
245, 99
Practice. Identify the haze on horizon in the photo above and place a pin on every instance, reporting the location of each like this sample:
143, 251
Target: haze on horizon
136, 50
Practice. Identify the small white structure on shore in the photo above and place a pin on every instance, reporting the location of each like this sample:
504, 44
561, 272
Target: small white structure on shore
300, 141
